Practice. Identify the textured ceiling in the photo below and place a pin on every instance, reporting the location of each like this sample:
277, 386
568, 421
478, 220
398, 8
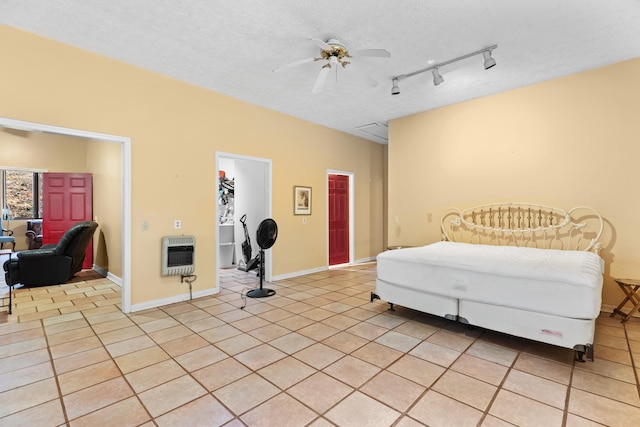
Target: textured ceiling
232, 46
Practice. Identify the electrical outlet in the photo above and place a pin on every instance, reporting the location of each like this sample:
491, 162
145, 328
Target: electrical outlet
177, 224
144, 225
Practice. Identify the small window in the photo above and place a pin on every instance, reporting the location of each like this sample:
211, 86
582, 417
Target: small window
22, 193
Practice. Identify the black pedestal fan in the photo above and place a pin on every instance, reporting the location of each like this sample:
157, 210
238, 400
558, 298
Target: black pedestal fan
265, 237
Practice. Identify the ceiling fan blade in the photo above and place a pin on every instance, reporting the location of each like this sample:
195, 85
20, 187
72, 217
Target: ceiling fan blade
321, 44
293, 64
374, 53
322, 77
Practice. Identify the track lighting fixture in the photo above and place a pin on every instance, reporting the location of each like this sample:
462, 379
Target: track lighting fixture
489, 62
437, 78
395, 90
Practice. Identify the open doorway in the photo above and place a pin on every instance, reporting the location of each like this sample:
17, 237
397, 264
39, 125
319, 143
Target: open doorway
244, 188
340, 223
125, 164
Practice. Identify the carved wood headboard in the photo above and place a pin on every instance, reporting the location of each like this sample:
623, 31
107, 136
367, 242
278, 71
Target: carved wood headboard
525, 224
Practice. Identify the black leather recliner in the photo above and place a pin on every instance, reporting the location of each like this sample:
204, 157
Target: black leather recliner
52, 264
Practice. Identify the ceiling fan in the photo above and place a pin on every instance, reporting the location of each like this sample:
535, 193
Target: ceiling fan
334, 53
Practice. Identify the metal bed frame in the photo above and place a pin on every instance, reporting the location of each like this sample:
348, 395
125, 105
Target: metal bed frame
525, 224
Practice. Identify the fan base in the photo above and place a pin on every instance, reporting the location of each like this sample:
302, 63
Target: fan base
261, 293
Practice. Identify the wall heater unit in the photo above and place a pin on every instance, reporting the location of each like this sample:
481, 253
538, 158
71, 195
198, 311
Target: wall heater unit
178, 255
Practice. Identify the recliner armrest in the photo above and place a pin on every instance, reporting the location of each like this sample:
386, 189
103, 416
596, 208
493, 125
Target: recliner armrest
37, 254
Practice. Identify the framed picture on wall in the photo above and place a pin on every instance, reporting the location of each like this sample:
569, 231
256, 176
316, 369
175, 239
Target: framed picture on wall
301, 200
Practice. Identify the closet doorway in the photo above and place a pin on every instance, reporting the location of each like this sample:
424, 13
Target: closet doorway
243, 188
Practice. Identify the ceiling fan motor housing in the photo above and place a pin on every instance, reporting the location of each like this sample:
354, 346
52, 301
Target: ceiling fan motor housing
338, 51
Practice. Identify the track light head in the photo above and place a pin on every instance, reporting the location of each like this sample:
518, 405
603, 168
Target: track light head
437, 78
488, 60
395, 89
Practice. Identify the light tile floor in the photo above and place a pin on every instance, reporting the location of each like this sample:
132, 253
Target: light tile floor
318, 353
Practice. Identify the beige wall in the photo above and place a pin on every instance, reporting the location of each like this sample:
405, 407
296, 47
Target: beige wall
176, 129
104, 163
35, 150
565, 142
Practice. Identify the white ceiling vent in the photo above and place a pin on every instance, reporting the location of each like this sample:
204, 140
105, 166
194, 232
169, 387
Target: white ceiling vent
378, 130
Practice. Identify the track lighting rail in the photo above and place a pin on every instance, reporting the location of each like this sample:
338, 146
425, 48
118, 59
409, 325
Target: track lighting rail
488, 63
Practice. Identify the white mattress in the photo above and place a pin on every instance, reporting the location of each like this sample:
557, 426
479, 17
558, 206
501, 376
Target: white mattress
556, 282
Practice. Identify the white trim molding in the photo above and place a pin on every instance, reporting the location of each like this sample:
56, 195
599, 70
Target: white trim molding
174, 299
125, 154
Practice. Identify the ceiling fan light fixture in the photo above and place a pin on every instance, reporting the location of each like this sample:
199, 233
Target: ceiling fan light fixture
334, 53
488, 60
395, 89
437, 78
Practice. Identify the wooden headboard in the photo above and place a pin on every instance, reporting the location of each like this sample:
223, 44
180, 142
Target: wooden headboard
525, 224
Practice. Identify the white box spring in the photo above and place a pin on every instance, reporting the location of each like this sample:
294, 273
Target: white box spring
556, 282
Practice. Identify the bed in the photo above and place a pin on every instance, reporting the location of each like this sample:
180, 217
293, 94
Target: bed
528, 270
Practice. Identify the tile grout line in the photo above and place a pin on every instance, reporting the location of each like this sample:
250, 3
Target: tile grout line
430, 388
190, 373
55, 373
567, 401
633, 364
122, 374
499, 387
319, 415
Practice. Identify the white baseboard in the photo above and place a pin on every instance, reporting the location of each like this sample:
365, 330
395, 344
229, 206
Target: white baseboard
298, 273
346, 264
115, 279
317, 270
171, 300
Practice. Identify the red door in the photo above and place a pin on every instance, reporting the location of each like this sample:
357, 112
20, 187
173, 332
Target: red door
67, 198
338, 219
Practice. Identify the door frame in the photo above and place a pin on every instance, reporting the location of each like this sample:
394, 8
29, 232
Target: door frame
351, 176
268, 271
125, 164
